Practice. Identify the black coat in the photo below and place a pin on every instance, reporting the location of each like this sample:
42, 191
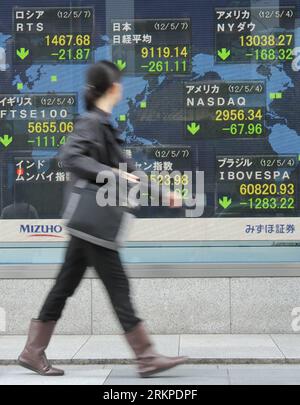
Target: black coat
93, 146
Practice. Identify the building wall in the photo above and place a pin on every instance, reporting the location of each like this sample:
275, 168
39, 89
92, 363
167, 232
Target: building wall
169, 305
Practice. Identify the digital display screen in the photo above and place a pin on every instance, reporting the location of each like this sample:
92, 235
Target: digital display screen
209, 85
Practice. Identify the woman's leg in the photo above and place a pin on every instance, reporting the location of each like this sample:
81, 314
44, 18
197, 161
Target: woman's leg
67, 281
109, 268
40, 331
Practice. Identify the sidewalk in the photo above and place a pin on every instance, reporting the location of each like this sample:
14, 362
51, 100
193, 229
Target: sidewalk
201, 349
190, 374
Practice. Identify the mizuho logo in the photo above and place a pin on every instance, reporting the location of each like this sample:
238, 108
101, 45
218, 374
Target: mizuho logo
41, 230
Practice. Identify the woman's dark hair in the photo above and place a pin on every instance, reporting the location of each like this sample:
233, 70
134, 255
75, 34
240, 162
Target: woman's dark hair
100, 77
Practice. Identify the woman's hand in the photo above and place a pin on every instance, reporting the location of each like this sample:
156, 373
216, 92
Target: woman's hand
125, 175
175, 200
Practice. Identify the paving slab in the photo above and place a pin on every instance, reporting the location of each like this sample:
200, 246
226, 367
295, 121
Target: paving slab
264, 374
182, 375
115, 347
75, 375
289, 345
62, 347
11, 346
229, 347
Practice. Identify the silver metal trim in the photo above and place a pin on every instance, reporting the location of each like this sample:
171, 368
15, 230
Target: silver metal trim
163, 270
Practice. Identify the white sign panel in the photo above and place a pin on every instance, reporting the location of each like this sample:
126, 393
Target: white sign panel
181, 229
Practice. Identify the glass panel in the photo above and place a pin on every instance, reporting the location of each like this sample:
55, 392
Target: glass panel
211, 93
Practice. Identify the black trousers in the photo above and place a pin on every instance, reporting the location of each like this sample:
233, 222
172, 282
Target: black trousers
81, 254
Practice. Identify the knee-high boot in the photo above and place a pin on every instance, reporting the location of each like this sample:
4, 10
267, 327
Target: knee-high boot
33, 355
148, 360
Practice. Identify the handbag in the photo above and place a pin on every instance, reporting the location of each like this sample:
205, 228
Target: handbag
106, 226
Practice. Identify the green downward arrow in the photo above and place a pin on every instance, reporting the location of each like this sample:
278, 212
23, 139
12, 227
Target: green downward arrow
6, 140
22, 53
193, 128
224, 53
225, 202
121, 64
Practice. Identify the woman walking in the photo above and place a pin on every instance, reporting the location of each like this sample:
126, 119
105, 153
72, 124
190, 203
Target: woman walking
92, 148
